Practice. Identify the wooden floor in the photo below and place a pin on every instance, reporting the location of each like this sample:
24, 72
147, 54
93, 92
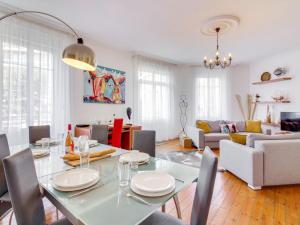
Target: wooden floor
233, 202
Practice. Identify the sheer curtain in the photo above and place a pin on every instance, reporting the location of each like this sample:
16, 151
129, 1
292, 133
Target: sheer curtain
34, 82
210, 94
154, 96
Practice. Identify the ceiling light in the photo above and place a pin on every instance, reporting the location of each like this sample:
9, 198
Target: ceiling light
218, 61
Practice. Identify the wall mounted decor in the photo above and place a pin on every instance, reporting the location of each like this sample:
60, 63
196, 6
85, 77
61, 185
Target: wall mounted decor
104, 85
280, 71
265, 76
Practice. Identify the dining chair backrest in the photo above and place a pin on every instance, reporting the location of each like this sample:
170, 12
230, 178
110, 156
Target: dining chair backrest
100, 133
4, 152
36, 133
205, 187
116, 136
144, 141
24, 190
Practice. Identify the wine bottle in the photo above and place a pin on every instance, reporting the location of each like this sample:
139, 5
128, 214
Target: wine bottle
69, 141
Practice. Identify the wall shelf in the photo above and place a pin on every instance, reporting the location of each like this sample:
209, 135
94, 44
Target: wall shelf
272, 80
271, 102
271, 124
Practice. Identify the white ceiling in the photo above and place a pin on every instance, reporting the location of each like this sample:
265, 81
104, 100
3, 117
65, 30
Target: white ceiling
170, 29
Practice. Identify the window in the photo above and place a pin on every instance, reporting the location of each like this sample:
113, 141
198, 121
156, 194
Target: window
20, 90
210, 96
154, 94
154, 97
33, 80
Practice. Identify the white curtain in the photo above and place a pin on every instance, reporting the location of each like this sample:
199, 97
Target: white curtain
34, 82
210, 94
154, 96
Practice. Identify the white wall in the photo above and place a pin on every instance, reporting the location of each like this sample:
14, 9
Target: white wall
289, 59
239, 77
91, 112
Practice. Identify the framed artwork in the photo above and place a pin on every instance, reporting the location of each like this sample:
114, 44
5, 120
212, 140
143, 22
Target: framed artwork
104, 85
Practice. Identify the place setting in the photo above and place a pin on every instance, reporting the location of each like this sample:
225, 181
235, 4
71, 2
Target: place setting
77, 181
135, 157
149, 184
47, 141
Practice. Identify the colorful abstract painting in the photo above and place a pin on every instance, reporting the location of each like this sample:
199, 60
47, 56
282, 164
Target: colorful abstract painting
104, 85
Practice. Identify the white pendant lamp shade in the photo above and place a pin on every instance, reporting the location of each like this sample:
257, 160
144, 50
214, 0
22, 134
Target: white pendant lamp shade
80, 56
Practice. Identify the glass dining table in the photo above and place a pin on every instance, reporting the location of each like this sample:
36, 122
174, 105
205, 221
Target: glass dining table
107, 203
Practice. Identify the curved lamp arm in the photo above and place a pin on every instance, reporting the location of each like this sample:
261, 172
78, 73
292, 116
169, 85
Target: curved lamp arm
38, 12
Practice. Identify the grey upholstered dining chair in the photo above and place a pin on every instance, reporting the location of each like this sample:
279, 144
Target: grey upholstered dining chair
36, 133
5, 203
144, 141
24, 189
100, 133
203, 195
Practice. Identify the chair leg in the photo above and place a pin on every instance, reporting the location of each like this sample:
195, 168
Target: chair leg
56, 214
163, 208
177, 205
11, 216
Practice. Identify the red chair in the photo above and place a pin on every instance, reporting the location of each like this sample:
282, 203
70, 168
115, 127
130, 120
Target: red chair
116, 136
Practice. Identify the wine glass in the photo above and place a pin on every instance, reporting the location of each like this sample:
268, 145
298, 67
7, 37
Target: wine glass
83, 147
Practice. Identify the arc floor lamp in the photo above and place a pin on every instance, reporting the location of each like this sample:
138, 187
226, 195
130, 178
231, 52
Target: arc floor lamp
76, 55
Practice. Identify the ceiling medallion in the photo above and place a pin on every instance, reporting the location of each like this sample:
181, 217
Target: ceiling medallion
218, 61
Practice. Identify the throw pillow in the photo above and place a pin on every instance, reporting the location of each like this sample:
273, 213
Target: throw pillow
203, 126
228, 128
238, 138
253, 126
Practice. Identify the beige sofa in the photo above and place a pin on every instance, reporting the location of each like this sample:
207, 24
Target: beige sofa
201, 139
275, 161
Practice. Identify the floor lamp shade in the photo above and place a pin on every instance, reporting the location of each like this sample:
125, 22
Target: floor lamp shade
76, 55
80, 56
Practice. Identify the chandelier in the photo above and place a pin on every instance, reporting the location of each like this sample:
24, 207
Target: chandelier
218, 61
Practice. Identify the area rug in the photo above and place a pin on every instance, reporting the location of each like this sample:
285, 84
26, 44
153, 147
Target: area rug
189, 158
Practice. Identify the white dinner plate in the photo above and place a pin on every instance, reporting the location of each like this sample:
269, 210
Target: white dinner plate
144, 162
40, 153
51, 142
75, 178
76, 188
151, 194
153, 181
135, 157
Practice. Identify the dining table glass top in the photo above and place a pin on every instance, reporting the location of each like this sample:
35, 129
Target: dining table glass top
107, 203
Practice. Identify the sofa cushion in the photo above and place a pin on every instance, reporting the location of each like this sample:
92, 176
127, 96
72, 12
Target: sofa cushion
214, 137
253, 126
241, 126
228, 128
215, 126
251, 138
238, 138
203, 125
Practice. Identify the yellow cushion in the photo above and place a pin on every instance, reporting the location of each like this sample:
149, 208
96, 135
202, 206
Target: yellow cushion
253, 126
238, 138
203, 126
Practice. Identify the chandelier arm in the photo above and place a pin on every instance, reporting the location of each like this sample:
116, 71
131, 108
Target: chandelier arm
46, 14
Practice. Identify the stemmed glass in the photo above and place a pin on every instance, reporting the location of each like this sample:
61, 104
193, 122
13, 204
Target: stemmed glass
61, 138
83, 147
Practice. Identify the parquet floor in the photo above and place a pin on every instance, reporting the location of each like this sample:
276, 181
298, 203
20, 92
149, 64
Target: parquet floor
233, 202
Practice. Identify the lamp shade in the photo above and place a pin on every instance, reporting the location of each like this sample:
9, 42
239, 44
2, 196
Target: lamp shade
79, 56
